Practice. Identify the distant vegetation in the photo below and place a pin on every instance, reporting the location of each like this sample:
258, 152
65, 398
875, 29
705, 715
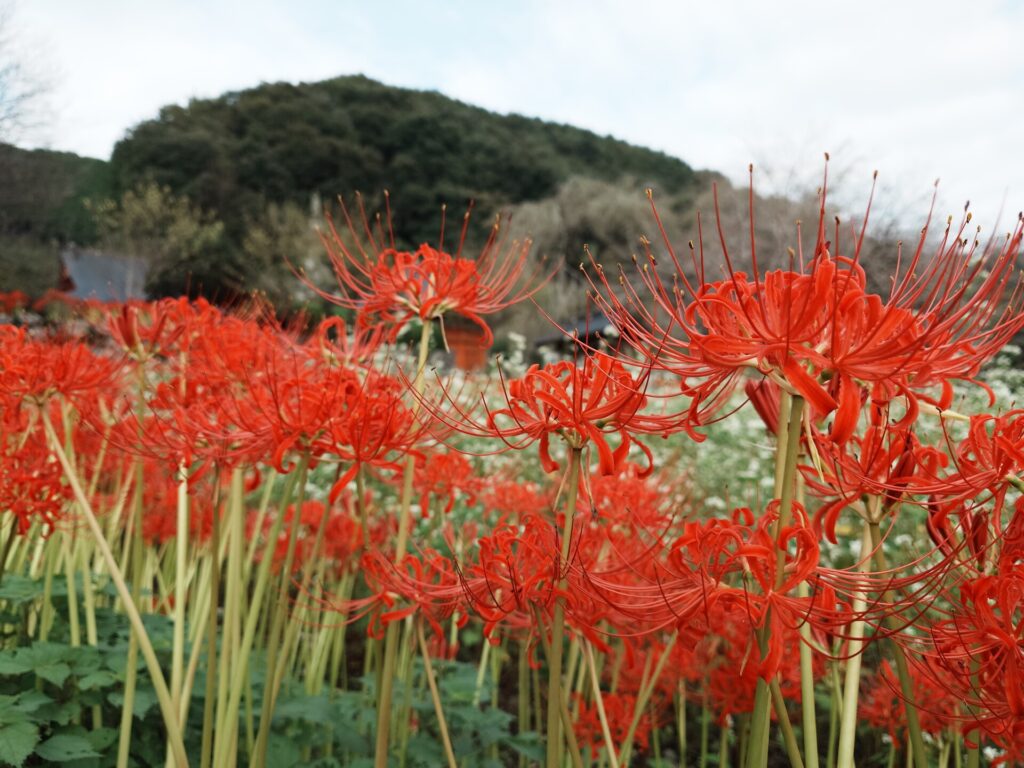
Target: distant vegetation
222, 196
251, 164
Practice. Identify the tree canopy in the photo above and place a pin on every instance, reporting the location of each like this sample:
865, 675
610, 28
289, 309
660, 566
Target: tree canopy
280, 143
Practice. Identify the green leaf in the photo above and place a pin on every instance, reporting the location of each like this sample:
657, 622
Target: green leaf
11, 664
30, 701
101, 738
17, 740
54, 673
311, 709
101, 679
60, 712
65, 747
19, 589
145, 700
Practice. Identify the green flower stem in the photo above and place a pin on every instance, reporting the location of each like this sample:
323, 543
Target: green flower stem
851, 683
565, 717
554, 736
91, 633
180, 595
787, 454
788, 736
681, 721
606, 733
132, 559
442, 724
212, 661
644, 695
386, 677
295, 620
523, 696
226, 748
808, 710
282, 618
169, 714
705, 727
902, 669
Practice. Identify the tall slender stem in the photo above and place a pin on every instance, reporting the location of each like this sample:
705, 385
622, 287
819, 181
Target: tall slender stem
851, 683
902, 669
787, 454
609, 745
428, 668
169, 713
386, 677
554, 734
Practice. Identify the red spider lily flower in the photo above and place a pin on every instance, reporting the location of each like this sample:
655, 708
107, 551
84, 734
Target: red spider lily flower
730, 565
815, 329
886, 461
340, 545
514, 497
981, 648
388, 286
375, 428
36, 369
635, 498
12, 300
159, 504
618, 708
427, 585
582, 404
143, 329
881, 702
31, 480
334, 343
444, 476
988, 460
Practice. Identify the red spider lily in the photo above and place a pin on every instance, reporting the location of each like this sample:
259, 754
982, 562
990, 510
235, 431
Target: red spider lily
36, 369
987, 460
881, 703
333, 342
886, 461
618, 708
427, 585
374, 428
11, 301
514, 497
388, 286
142, 329
583, 404
159, 503
817, 331
31, 481
444, 476
635, 498
712, 567
981, 647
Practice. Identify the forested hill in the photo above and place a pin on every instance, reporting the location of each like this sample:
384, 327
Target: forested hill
216, 194
279, 143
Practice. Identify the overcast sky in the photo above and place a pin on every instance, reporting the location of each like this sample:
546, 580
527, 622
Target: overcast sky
918, 90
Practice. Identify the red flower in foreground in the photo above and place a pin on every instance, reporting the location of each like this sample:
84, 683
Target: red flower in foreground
816, 330
582, 404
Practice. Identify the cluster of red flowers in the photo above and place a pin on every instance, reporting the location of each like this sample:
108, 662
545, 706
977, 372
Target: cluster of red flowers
189, 392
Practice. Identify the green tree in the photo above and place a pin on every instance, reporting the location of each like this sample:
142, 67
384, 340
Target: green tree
186, 249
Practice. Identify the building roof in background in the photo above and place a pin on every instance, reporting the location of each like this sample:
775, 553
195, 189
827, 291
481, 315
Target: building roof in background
89, 274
